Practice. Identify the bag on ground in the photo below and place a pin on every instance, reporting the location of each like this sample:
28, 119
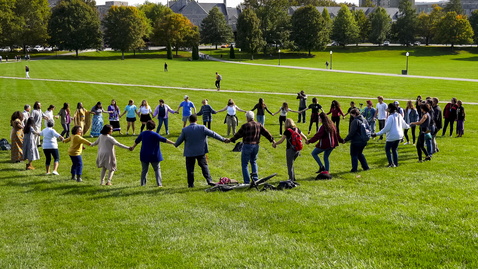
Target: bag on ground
4, 145
295, 140
226, 180
324, 176
289, 184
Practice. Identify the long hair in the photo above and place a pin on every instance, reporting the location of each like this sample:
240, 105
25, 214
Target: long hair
29, 125
327, 123
410, 106
98, 106
106, 129
392, 108
115, 105
289, 123
230, 102
66, 107
261, 103
16, 115
453, 100
314, 100
285, 106
36, 105
335, 104
51, 107
144, 103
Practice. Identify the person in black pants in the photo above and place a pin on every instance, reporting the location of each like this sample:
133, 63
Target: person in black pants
410, 115
424, 125
302, 105
449, 113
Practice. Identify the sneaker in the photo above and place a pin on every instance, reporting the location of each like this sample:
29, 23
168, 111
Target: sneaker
73, 177
406, 143
373, 138
109, 184
55, 173
414, 145
134, 134
127, 133
391, 166
79, 179
322, 169
381, 138
48, 173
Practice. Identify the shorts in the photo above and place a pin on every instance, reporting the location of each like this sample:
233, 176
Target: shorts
314, 117
145, 117
185, 118
131, 119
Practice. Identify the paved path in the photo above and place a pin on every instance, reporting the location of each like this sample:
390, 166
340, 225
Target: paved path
198, 89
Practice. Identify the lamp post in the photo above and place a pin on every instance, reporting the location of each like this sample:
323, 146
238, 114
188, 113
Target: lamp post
330, 60
240, 55
408, 54
279, 57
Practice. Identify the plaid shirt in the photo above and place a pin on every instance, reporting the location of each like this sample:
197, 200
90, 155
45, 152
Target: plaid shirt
251, 133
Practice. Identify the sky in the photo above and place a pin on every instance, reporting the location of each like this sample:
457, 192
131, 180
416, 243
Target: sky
230, 3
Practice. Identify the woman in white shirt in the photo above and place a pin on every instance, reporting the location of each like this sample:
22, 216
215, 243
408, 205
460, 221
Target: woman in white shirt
283, 114
231, 117
50, 146
144, 113
49, 114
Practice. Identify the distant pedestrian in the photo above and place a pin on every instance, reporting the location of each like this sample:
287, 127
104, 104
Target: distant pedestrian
0, 58
218, 81
165, 67
326, 64
27, 71
6, 58
221, 55
460, 119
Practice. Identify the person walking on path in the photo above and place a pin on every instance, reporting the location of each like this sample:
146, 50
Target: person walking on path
16, 152
218, 80
302, 105
460, 119
50, 146
30, 149
27, 71
369, 114
357, 144
206, 112
165, 67
37, 116
381, 112
130, 111
449, 113
106, 157
291, 152
283, 115
411, 115
65, 117
424, 129
251, 136
336, 112
187, 106
437, 115
314, 116
195, 148
231, 118
162, 112
75, 150
114, 112
261, 108
26, 113
328, 138
150, 152
97, 124
144, 113
82, 118
394, 134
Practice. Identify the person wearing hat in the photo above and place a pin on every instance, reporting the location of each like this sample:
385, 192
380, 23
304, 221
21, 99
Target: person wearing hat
186, 105
369, 114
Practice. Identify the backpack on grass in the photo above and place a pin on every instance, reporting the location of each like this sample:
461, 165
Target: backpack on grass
295, 140
4, 145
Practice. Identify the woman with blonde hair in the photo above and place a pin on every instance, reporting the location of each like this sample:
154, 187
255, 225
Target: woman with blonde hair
231, 117
283, 114
410, 115
144, 113
291, 152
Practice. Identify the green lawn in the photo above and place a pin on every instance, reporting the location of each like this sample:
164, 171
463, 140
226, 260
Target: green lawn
417, 215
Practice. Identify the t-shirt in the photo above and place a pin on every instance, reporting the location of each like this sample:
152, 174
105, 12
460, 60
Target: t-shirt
348, 112
49, 115
37, 115
460, 113
284, 112
145, 110
131, 111
150, 149
49, 138
368, 114
289, 136
382, 111
315, 108
186, 108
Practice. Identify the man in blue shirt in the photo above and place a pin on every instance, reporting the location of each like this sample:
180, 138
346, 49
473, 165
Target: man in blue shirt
186, 105
196, 147
150, 152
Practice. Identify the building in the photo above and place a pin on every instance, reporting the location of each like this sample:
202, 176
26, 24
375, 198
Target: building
468, 6
333, 11
103, 9
384, 3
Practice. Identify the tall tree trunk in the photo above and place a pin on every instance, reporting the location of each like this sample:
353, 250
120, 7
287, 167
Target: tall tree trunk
452, 47
76, 53
25, 49
134, 53
427, 41
177, 48
216, 46
309, 52
122, 54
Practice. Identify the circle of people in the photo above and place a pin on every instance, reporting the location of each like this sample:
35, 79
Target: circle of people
393, 121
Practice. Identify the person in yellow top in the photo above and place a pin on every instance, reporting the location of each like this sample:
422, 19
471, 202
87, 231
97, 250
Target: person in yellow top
82, 118
76, 147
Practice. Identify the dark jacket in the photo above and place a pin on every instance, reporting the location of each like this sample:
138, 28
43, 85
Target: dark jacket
437, 116
354, 133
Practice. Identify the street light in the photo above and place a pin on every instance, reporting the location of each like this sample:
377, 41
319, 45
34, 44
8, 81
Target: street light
240, 55
408, 54
330, 60
279, 57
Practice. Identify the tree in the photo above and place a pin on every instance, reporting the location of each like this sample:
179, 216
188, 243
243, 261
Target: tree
154, 11
368, 3
363, 24
406, 26
474, 25
309, 30
454, 29
427, 22
74, 25
214, 28
380, 26
195, 53
454, 5
6, 19
232, 54
328, 24
249, 35
124, 28
175, 30
345, 30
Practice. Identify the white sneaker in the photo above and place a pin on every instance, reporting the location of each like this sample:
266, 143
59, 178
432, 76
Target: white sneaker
48, 174
55, 173
134, 134
406, 143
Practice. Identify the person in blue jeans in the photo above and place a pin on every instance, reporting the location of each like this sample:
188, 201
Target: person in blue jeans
357, 144
251, 135
162, 112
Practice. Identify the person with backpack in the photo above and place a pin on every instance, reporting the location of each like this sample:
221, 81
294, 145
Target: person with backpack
218, 81
394, 133
328, 138
294, 136
358, 136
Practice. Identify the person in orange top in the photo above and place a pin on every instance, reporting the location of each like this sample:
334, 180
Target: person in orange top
75, 150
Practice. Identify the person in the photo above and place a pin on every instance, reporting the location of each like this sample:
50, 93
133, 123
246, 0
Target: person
231, 117
75, 150
16, 152
261, 108
290, 154
381, 112
165, 67
460, 119
336, 112
82, 118
424, 128
449, 113
326, 64
30, 149
0, 58
432, 126
206, 111
115, 112
418, 103
195, 148
65, 117
27, 71
106, 157
283, 114
218, 80
399, 109
302, 105
150, 152
314, 116
26, 113
187, 106
130, 111
394, 133
357, 144
352, 106
37, 116
328, 138
50, 146
144, 113
49, 114
251, 137
411, 115
437, 114
369, 114
97, 124
161, 111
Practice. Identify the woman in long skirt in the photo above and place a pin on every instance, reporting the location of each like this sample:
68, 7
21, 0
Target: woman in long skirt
82, 118
30, 149
97, 124
114, 116
17, 137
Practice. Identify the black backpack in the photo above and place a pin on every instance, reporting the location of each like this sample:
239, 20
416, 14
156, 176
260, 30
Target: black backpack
4, 145
289, 184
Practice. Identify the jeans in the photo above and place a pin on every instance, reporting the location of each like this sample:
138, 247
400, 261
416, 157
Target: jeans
291, 155
160, 124
356, 153
249, 155
261, 119
372, 126
144, 172
66, 130
301, 114
393, 146
429, 143
49, 153
317, 151
202, 162
77, 165
207, 124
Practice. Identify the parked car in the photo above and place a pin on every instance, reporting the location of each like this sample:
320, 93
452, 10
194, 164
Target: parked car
224, 45
386, 43
417, 43
6, 49
335, 43
48, 49
17, 49
37, 48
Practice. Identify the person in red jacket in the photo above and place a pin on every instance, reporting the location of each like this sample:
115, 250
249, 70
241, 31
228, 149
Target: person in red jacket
329, 139
336, 112
449, 113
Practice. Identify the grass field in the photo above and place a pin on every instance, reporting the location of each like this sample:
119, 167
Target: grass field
416, 215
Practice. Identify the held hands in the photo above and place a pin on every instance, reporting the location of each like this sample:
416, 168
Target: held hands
131, 148
274, 145
227, 141
374, 135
